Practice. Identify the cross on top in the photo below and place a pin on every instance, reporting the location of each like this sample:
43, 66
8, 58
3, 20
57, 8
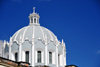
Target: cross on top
34, 9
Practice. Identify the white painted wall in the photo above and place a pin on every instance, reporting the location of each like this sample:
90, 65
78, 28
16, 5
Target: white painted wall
45, 56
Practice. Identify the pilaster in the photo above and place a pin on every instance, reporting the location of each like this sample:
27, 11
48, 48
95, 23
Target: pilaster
63, 58
46, 55
46, 51
56, 55
20, 50
33, 50
10, 54
33, 54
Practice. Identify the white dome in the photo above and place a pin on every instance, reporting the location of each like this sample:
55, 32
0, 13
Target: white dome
34, 42
34, 31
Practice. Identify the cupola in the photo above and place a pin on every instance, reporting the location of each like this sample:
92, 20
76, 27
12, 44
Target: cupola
34, 18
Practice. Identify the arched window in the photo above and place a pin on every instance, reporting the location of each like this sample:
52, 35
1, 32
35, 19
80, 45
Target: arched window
39, 56
50, 57
34, 20
16, 56
27, 56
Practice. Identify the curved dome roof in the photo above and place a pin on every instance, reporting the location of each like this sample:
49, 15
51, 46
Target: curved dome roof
33, 31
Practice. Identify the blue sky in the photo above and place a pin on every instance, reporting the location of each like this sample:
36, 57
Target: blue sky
76, 21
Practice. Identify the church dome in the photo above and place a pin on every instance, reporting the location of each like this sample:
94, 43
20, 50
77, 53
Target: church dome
37, 45
34, 31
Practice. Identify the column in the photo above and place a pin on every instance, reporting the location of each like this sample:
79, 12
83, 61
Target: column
33, 19
10, 54
56, 55
10, 51
36, 21
20, 52
46, 55
63, 58
33, 54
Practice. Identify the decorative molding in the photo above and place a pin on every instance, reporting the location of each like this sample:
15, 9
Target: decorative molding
42, 33
24, 33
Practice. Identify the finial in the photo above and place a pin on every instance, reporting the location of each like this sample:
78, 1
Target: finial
62, 41
33, 9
